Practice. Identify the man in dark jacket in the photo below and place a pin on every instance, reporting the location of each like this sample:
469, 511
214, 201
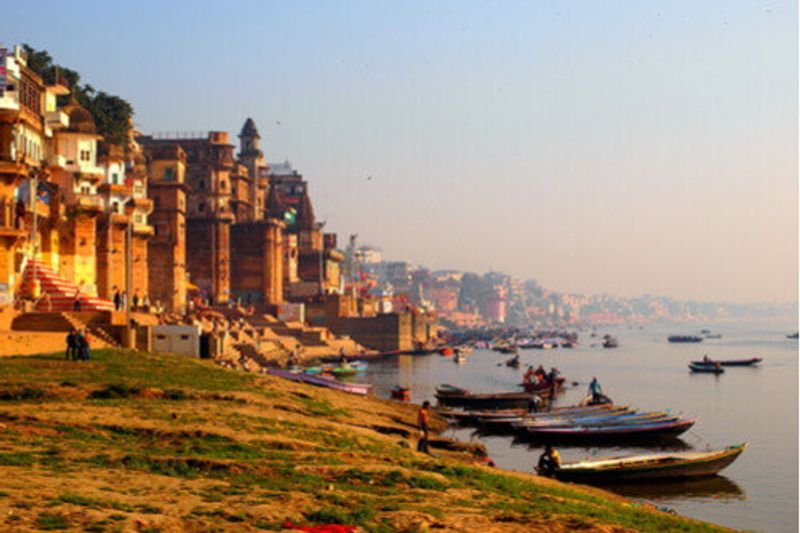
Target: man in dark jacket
71, 344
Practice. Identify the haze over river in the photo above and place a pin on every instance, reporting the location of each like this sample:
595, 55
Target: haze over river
753, 405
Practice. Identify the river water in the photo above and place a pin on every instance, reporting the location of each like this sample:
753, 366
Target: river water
755, 405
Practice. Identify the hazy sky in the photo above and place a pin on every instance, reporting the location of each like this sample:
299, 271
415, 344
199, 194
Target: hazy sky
597, 146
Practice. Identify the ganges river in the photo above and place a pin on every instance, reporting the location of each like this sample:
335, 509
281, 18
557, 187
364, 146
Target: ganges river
753, 405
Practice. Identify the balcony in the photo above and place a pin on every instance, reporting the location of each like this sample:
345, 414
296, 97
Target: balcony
88, 202
143, 229
8, 226
56, 119
57, 160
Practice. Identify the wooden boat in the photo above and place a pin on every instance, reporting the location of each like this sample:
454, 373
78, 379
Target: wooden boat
793, 335
684, 338
611, 343
345, 370
675, 465
730, 362
446, 351
402, 394
449, 395
615, 420
712, 369
323, 381
506, 349
514, 362
612, 432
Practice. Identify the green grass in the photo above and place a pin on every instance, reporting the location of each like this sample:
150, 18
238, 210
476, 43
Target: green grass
200, 434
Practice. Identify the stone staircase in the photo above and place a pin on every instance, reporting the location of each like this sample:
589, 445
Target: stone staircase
63, 323
60, 292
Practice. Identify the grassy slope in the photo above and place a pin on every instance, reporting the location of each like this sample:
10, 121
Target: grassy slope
141, 442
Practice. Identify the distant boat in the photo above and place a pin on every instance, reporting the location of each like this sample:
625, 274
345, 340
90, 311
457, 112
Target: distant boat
611, 342
671, 465
709, 368
684, 338
731, 362
793, 335
714, 336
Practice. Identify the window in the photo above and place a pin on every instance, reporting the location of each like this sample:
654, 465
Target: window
169, 174
115, 178
201, 207
223, 184
138, 188
184, 337
86, 155
85, 189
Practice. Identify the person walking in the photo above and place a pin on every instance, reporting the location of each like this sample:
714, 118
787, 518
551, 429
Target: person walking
423, 422
72, 343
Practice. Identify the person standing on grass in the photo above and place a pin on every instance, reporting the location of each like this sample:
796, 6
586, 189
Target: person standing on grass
83, 346
72, 343
423, 421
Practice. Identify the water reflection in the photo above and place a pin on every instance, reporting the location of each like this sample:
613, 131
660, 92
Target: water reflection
712, 488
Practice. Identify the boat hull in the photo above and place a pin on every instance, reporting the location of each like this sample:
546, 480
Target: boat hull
708, 464
610, 433
733, 362
353, 388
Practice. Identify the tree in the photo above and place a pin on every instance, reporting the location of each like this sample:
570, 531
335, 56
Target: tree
112, 114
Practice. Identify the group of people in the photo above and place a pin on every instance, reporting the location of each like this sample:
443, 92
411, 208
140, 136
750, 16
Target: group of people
77, 346
138, 303
540, 375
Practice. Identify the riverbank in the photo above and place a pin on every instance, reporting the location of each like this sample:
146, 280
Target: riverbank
141, 442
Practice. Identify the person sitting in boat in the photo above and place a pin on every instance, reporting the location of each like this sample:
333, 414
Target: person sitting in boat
549, 462
514, 361
342, 357
596, 391
529, 374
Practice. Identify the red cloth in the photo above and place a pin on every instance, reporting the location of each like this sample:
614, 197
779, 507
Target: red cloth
326, 528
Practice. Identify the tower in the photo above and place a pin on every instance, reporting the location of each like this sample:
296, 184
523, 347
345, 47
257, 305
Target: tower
251, 156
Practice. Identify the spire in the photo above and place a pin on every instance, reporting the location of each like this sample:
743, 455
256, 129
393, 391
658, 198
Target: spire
249, 129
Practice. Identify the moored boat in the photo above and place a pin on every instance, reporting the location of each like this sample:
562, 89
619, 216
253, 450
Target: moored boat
611, 432
454, 396
323, 381
675, 465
